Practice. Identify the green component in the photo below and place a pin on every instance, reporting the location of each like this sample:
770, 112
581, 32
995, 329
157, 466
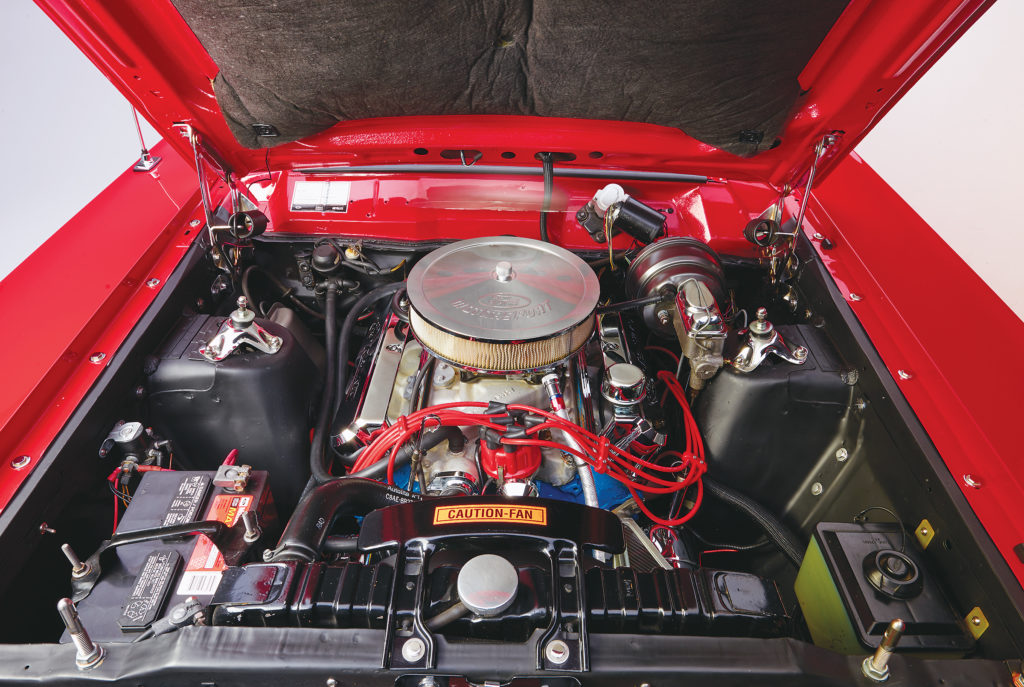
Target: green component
822, 606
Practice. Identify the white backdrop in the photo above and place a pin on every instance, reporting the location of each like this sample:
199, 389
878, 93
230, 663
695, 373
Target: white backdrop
953, 147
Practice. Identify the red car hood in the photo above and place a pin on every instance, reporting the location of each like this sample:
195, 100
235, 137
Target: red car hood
843, 78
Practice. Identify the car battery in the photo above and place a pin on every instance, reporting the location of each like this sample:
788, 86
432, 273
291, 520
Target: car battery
140, 581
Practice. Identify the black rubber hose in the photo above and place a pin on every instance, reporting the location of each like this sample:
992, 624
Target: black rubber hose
317, 462
285, 291
783, 537
622, 306
341, 543
456, 442
304, 535
549, 180
603, 260
348, 459
347, 326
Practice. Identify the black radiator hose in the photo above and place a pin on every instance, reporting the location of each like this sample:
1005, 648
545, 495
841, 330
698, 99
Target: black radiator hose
317, 464
337, 371
348, 325
304, 535
783, 537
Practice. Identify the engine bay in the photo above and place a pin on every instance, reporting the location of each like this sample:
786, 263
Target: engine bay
508, 451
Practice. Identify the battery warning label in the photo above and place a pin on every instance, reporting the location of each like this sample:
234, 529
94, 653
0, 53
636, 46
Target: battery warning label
205, 565
522, 515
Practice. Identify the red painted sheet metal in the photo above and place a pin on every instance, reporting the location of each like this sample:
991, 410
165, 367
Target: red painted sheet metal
81, 293
932, 317
431, 207
874, 53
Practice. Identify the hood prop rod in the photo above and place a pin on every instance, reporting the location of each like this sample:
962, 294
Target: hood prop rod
826, 141
146, 161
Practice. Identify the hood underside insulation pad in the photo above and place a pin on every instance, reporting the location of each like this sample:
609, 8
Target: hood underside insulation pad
723, 71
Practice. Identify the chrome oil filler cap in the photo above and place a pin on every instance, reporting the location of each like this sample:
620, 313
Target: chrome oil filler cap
487, 585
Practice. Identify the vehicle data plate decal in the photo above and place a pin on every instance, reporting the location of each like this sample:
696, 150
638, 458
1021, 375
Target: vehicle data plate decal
186, 502
520, 515
149, 592
205, 565
321, 196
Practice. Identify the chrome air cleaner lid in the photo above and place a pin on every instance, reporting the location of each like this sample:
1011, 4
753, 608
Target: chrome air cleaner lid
502, 304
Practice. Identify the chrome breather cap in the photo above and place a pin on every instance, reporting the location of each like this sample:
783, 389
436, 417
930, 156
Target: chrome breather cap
502, 304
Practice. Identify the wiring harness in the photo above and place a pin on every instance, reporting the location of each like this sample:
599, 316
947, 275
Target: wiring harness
639, 475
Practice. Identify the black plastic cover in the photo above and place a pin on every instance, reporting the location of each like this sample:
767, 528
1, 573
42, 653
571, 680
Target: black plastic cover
255, 402
931, 623
779, 414
683, 601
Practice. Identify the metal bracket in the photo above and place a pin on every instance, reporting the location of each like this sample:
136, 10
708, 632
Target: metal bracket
781, 265
237, 330
763, 339
924, 533
409, 644
976, 622
564, 646
193, 138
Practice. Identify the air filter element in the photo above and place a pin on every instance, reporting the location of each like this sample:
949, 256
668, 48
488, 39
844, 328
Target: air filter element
502, 304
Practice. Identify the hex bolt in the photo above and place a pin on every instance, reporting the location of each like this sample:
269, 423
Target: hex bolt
78, 568
252, 526
88, 654
153, 283
800, 353
664, 318
331, 682
905, 374
816, 489
557, 652
876, 667
973, 481
97, 357
856, 297
842, 454
413, 650
194, 223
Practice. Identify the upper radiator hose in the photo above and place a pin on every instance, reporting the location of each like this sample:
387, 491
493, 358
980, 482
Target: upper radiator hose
304, 535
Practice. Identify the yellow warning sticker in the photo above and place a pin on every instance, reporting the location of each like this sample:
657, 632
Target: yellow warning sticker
524, 515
